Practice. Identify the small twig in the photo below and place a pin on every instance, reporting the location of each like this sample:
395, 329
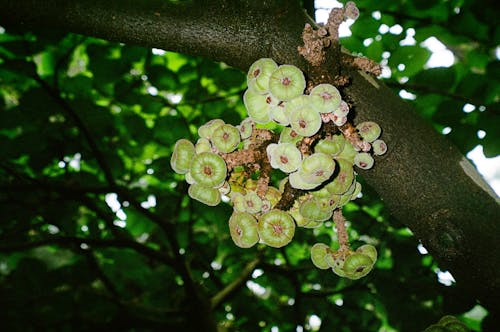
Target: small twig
95, 266
235, 285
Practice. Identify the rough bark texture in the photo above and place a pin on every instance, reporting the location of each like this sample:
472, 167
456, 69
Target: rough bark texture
424, 180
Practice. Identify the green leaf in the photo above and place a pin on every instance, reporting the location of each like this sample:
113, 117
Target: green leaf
439, 78
412, 58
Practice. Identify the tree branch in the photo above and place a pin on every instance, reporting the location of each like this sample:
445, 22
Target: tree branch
235, 285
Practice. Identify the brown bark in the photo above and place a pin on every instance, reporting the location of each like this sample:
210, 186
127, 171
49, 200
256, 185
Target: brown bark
423, 179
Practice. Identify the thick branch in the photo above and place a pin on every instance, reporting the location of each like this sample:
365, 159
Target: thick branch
423, 179
222, 30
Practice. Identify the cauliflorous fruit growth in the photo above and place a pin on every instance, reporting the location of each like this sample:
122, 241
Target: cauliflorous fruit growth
208, 169
369, 130
305, 121
315, 209
252, 202
226, 138
206, 195
317, 168
287, 82
208, 128
276, 228
318, 255
182, 156
363, 160
259, 73
258, 106
245, 128
325, 98
332, 146
284, 156
379, 147
243, 229
357, 265
307, 138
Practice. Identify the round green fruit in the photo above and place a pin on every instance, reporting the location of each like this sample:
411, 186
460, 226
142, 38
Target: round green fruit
369, 130
258, 106
287, 82
317, 168
318, 254
243, 229
259, 73
364, 160
357, 265
276, 228
209, 169
208, 128
305, 121
182, 156
325, 98
226, 138
284, 156
206, 195
368, 250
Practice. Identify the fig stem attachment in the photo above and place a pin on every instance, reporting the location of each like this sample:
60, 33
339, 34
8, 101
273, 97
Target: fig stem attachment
342, 236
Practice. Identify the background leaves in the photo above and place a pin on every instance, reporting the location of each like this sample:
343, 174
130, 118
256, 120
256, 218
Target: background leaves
97, 230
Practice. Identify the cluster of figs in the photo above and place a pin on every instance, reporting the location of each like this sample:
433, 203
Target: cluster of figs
324, 173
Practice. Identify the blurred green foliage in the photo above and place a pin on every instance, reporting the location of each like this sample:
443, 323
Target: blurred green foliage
95, 223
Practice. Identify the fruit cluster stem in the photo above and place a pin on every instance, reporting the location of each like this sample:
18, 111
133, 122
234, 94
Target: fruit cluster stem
339, 220
350, 133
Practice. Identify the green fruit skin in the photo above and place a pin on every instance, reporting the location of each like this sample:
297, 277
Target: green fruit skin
338, 271
321, 104
318, 254
286, 136
276, 228
284, 156
246, 128
243, 229
363, 160
257, 107
369, 130
217, 164
357, 265
223, 144
446, 319
208, 128
332, 146
206, 195
305, 121
368, 250
317, 162
182, 156
260, 78
253, 203
344, 178
312, 210
294, 89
